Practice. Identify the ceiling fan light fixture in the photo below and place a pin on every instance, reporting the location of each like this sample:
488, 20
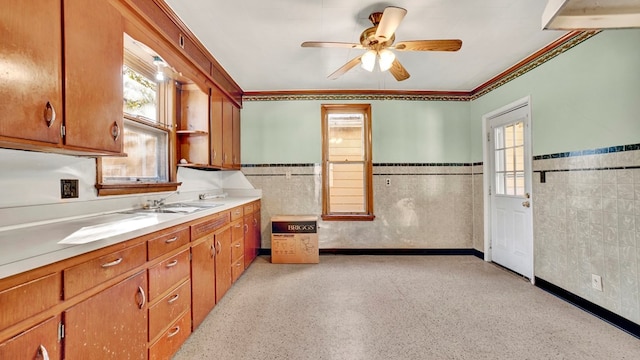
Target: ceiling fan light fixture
385, 59
368, 60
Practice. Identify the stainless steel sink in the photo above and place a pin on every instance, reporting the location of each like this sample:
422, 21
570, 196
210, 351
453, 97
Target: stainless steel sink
176, 208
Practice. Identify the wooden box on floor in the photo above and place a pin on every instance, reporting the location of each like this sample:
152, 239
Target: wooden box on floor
294, 239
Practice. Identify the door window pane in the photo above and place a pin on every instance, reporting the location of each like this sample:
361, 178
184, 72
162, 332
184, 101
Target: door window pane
509, 159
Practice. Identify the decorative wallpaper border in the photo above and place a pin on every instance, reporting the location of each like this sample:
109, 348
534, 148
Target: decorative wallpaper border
604, 150
533, 61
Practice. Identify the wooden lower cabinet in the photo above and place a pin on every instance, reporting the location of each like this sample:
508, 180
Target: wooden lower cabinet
203, 278
171, 339
223, 262
39, 342
111, 324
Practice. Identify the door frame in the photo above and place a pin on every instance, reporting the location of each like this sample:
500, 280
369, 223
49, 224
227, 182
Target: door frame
488, 172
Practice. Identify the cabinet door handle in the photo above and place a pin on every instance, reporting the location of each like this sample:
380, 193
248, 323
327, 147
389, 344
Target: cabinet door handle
42, 353
143, 296
173, 263
218, 246
112, 263
213, 250
115, 131
246, 228
49, 114
174, 332
255, 222
169, 241
173, 298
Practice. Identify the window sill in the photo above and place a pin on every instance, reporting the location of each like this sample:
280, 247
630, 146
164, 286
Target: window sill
135, 188
348, 217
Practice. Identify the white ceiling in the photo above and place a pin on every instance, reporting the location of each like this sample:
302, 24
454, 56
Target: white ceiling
258, 41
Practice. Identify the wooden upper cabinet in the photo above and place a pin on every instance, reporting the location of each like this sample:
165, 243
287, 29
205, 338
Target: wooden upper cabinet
236, 137
31, 71
227, 133
93, 58
216, 127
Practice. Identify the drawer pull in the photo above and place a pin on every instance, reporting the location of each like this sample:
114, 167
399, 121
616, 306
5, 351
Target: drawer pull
143, 297
113, 263
237, 245
169, 241
174, 332
173, 298
42, 353
238, 225
173, 263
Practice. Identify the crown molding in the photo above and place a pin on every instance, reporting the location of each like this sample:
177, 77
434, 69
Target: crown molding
536, 59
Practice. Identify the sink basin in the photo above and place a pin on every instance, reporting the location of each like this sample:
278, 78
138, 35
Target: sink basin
177, 208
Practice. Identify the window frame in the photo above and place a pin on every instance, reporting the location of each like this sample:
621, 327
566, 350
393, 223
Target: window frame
365, 110
166, 119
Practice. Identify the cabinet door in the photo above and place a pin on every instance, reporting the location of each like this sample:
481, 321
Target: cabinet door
203, 279
217, 149
227, 133
111, 324
249, 240
223, 262
93, 56
36, 343
31, 57
236, 137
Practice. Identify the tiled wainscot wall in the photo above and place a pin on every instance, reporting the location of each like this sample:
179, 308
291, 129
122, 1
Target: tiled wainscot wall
587, 221
425, 206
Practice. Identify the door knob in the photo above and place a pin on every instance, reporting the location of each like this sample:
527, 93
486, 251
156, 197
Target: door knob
526, 204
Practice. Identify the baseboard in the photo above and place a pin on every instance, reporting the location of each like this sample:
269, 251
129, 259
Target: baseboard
479, 254
391, 252
586, 305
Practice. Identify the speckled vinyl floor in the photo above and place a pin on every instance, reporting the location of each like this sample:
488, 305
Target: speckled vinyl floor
398, 307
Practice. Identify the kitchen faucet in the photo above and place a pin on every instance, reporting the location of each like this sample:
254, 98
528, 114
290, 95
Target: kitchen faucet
160, 202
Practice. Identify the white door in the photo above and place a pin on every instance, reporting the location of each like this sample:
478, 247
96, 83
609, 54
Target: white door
508, 155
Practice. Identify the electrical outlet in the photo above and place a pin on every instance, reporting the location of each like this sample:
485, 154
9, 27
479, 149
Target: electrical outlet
387, 182
596, 282
68, 188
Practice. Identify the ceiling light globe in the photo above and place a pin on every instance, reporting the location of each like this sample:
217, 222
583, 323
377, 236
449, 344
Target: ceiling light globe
368, 60
386, 59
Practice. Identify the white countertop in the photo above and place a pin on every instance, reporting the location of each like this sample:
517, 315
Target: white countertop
30, 247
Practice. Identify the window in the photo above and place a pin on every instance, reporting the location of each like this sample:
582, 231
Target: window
148, 121
346, 157
509, 159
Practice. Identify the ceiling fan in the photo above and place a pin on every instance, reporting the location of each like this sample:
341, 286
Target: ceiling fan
378, 41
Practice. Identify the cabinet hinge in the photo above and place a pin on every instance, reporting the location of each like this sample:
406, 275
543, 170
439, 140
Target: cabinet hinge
60, 331
63, 130
489, 190
488, 136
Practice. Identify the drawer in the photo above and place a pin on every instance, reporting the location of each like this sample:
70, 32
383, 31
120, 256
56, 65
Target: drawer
236, 213
248, 209
237, 250
168, 309
33, 297
165, 275
237, 269
237, 230
171, 339
209, 225
33, 343
165, 243
84, 276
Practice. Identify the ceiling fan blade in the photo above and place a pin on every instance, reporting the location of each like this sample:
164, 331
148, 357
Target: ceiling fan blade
346, 67
398, 71
391, 18
323, 44
429, 45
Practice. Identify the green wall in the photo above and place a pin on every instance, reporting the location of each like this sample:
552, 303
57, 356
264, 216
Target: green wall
585, 98
402, 131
